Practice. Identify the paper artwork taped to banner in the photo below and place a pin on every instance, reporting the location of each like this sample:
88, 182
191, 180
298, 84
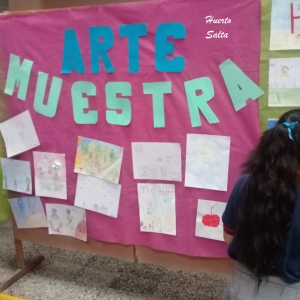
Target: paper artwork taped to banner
285, 25
99, 159
98, 195
66, 220
157, 208
28, 212
50, 174
207, 161
284, 82
158, 161
19, 134
209, 223
16, 175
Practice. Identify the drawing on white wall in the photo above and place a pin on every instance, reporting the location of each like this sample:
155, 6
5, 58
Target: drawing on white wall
159, 161
157, 208
207, 161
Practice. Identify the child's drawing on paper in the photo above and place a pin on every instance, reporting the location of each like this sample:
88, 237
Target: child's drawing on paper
157, 208
209, 219
285, 25
16, 175
160, 161
207, 161
66, 220
284, 82
99, 159
50, 175
19, 134
98, 195
28, 212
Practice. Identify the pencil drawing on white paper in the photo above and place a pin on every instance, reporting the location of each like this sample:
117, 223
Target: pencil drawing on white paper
98, 195
157, 208
159, 161
207, 161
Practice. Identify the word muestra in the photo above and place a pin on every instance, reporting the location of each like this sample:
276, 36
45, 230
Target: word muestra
216, 35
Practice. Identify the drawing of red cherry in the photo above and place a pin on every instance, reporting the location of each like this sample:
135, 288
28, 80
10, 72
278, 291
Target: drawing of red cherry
211, 220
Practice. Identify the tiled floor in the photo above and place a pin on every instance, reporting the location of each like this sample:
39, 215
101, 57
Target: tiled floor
66, 275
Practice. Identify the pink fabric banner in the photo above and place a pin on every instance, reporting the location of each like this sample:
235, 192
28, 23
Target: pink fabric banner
39, 37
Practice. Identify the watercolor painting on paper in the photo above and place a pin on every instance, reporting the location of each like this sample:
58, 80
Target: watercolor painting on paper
209, 223
97, 195
158, 161
50, 174
99, 159
207, 161
19, 134
285, 25
66, 220
16, 175
28, 212
284, 82
157, 208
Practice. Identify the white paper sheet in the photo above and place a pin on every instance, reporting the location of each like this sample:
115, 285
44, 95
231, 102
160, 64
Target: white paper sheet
98, 195
284, 82
209, 223
159, 161
157, 208
28, 212
19, 134
66, 220
16, 175
99, 159
50, 175
207, 161
282, 35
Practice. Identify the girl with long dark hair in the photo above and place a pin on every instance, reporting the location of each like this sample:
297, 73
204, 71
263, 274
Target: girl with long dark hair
262, 217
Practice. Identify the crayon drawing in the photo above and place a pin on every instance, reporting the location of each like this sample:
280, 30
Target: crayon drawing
50, 174
28, 212
98, 195
66, 220
16, 175
157, 208
285, 25
19, 134
284, 82
207, 161
159, 161
209, 223
99, 159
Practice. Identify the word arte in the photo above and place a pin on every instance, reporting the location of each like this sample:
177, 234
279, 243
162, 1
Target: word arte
221, 34
240, 88
211, 220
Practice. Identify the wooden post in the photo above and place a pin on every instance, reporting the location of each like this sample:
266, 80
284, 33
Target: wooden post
23, 268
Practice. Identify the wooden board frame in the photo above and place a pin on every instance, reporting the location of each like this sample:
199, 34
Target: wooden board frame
133, 253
